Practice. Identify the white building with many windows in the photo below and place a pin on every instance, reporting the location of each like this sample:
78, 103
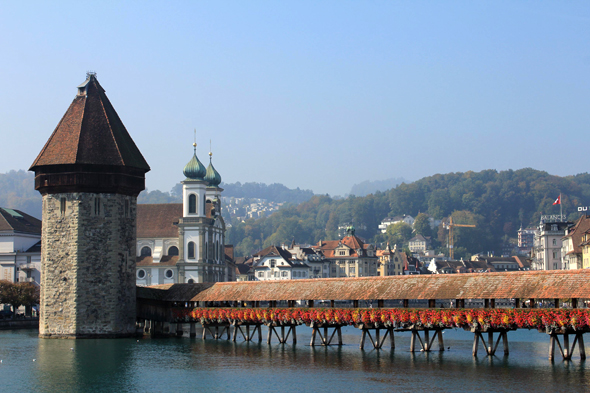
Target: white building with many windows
20, 247
548, 243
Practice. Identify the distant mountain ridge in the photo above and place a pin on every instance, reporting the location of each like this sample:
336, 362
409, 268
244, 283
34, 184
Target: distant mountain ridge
370, 187
271, 192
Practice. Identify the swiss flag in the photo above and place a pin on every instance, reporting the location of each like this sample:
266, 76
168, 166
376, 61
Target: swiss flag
558, 200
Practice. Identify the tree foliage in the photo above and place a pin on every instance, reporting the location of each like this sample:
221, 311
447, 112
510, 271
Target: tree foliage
496, 202
18, 294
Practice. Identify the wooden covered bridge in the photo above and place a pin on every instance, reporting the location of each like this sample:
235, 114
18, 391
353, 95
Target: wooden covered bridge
215, 307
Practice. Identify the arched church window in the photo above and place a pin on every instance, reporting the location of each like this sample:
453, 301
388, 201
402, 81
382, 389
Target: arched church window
146, 252
216, 250
206, 251
173, 251
191, 250
192, 203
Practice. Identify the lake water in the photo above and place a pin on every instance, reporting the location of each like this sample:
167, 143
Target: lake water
186, 365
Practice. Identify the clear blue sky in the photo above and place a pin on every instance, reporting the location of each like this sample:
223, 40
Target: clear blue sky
317, 95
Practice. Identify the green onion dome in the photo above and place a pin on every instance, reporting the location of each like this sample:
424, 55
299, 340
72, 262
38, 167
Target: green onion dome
212, 177
194, 169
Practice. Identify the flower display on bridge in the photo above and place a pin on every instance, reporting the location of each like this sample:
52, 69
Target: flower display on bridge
500, 318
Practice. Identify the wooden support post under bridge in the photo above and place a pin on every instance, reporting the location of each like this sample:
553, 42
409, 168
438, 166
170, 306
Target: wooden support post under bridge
216, 334
326, 338
490, 348
378, 341
426, 344
567, 351
282, 337
248, 336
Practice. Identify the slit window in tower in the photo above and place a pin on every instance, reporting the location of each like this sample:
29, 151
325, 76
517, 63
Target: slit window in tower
192, 204
62, 206
191, 250
97, 206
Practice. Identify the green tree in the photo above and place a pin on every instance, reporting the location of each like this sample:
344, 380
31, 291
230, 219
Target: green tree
422, 225
398, 233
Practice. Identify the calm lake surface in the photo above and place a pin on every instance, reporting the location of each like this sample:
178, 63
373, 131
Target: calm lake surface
186, 365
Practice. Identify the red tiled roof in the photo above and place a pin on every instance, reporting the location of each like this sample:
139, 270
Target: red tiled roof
91, 133
157, 220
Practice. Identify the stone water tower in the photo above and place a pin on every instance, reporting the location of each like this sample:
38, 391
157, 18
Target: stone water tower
89, 173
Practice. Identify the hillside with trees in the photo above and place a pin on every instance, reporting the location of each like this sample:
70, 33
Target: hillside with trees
496, 202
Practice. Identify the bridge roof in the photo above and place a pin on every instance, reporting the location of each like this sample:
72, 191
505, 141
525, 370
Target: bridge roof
504, 285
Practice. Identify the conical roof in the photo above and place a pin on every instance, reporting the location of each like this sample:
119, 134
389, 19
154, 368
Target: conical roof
91, 133
212, 176
195, 169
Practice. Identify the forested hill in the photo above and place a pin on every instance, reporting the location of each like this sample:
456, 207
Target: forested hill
17, 191
496, 202
272, 193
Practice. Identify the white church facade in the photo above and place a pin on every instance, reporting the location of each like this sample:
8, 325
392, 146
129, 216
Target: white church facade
185, 243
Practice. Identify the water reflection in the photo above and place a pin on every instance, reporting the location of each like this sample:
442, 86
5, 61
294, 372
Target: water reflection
162, 365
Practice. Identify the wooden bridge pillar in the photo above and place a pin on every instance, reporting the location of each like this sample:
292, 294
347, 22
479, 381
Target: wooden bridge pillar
192, 330
282, 337
516, 303
426, 345
566, 350
355, 304
492, 303
486, 303
310, 303
556, 303
406, 303
179, 331
326, 338
378, 341
490, 348
574, 303
380, 303
332, 303
431, 303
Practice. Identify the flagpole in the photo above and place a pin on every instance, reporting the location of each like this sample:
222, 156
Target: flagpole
560, 208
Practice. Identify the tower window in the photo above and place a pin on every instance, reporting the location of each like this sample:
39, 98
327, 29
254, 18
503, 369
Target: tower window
141, 274
146, 252
206, 251
97, 206
62, 206
191, 250
169, 273
173, 251
192, 204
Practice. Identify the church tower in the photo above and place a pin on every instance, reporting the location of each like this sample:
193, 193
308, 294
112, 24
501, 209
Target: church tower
202, 229
89, 173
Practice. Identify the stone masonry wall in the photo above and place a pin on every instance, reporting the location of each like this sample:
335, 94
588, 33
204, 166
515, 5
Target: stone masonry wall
88, 266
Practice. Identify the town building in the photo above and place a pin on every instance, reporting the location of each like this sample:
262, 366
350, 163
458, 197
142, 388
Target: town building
394, 220
185, 243
571, 248
276, 263
548, 242
419, 243
526, 239
349, 256
392, 262
20, 247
